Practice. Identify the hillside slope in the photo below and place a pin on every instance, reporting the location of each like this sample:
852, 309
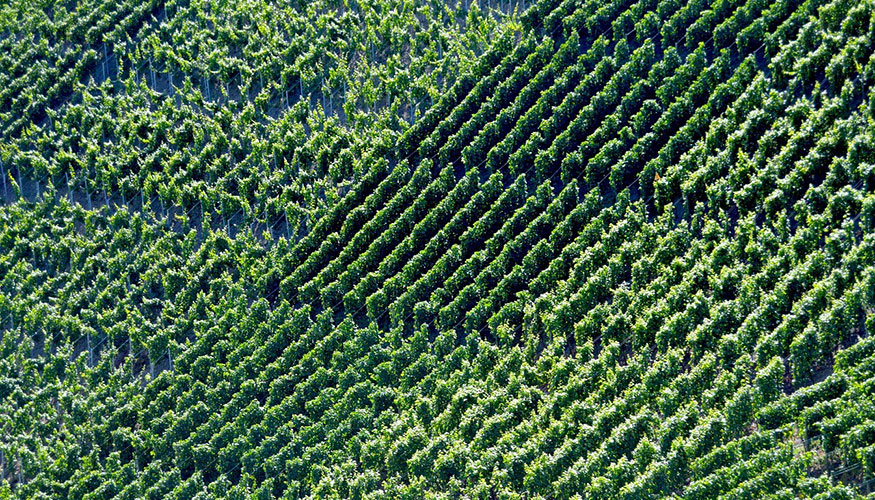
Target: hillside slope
628, 254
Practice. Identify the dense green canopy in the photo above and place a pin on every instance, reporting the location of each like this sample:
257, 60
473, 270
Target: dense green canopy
436, 249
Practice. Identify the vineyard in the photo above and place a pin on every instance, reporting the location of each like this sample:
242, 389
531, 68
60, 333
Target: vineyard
504, 249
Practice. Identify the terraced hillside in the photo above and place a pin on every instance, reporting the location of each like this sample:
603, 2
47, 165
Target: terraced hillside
628, 253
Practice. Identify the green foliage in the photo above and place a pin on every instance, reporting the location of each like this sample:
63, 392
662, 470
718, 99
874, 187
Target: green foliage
428, 249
